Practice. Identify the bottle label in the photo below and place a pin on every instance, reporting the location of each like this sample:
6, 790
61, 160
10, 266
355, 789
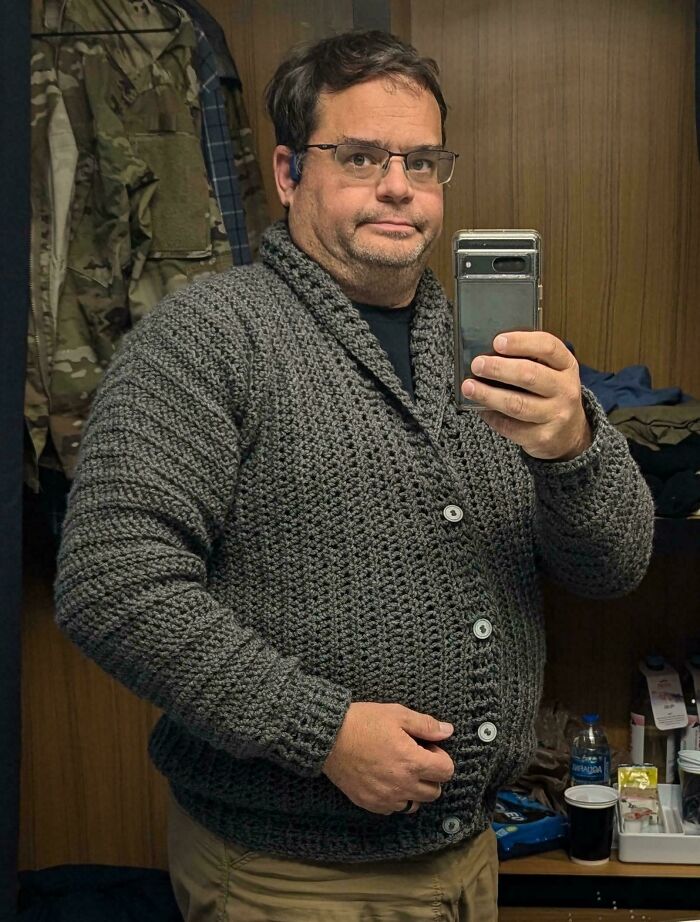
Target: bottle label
666, 695
590, 769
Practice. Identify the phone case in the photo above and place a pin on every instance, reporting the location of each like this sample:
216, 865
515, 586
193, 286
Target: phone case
497, 289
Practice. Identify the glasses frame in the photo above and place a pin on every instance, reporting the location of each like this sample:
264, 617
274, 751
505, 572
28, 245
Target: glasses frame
390, 154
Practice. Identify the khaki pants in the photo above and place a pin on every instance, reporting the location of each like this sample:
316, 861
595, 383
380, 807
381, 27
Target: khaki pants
217, 881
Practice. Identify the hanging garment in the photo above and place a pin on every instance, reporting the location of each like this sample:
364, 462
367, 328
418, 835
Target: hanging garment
218, 150
225, 65
249, 177
257, 214
54, 157
143, 221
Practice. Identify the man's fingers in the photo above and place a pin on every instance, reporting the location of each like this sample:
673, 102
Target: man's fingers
529, 408
532, 376
423, 726
425, 792
428, 791
438, 767
536, 344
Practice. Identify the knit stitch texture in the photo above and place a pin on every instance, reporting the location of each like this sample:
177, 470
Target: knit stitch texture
259, 533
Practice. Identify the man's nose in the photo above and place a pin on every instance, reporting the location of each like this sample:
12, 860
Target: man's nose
394, 183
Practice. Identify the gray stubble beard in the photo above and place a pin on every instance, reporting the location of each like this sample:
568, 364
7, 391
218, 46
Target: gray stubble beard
373, 257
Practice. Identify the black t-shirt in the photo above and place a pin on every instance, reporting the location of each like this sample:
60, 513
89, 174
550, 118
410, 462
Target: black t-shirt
392, 327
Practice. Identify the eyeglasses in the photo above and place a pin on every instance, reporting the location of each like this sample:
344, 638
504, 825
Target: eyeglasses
367, 163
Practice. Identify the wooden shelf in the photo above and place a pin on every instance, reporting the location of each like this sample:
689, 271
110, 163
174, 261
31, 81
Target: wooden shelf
557, 862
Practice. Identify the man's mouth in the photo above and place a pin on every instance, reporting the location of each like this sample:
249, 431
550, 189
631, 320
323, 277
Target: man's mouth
392, 224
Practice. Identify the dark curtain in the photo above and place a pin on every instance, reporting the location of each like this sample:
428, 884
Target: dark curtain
14, 288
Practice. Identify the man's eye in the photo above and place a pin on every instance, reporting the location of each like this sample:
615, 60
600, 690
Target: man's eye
423, 165
360, 160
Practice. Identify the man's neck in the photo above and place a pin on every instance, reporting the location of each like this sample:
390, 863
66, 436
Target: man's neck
376, 296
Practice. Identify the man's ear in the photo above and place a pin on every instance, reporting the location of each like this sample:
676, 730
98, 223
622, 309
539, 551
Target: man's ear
287, 173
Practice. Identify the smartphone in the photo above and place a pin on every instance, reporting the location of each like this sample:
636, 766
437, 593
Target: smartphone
497, 290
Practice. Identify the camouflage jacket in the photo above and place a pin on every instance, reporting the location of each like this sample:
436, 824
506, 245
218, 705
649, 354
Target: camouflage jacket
142, 217
54, 157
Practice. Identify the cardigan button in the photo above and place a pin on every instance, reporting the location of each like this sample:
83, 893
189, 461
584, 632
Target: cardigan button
451, 825
487, 732
453, 513
482, 628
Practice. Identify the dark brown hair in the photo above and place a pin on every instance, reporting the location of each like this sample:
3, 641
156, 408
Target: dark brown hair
333, 64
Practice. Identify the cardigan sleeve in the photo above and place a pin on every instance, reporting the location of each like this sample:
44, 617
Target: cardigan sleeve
154, 483
594, 514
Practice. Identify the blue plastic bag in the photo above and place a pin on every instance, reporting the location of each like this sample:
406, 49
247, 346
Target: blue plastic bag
524, 826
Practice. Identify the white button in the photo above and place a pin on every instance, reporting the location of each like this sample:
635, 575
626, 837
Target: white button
451, 825
487, 732
453, 513
482, 628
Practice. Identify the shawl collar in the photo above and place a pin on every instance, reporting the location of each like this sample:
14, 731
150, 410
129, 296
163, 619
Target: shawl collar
431, 328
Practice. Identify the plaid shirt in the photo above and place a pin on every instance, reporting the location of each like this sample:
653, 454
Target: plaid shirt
218, 150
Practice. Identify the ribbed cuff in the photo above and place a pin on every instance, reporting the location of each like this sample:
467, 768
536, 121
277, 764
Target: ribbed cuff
312, 711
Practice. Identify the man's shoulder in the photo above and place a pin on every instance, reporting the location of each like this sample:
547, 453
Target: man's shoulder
239, 291
236, 301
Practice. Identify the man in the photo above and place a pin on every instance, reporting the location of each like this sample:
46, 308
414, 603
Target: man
284, 534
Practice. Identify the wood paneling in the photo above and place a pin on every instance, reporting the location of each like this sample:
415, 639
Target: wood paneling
401, 19
89, 792
577, 119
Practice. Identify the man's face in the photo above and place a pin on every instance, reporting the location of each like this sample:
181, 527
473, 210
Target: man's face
359, 229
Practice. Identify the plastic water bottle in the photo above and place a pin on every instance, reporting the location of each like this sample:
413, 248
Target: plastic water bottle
590, 753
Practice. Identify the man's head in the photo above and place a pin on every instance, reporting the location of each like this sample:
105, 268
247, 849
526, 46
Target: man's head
369, 220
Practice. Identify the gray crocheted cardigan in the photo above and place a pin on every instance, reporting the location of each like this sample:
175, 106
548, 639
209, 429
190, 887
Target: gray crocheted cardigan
265, 527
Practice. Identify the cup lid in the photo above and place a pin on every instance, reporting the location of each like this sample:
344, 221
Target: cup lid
591, 796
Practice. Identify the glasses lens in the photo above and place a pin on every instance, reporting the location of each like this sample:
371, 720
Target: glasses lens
430, 165
360, 161
424, 165
446, 166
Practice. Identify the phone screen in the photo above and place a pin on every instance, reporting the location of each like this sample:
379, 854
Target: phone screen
487, 308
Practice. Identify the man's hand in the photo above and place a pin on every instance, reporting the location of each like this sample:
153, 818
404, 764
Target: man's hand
548, 421
377, 763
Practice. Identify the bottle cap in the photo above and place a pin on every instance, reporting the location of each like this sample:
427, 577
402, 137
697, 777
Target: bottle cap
591, 718
654, 661
695, 660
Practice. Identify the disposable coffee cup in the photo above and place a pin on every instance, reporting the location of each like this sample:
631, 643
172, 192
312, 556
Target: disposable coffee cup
591, 809
689, 775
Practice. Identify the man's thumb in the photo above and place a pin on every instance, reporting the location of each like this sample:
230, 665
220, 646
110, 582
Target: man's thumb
426, 727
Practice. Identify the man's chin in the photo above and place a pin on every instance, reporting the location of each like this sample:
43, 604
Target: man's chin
394, 250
